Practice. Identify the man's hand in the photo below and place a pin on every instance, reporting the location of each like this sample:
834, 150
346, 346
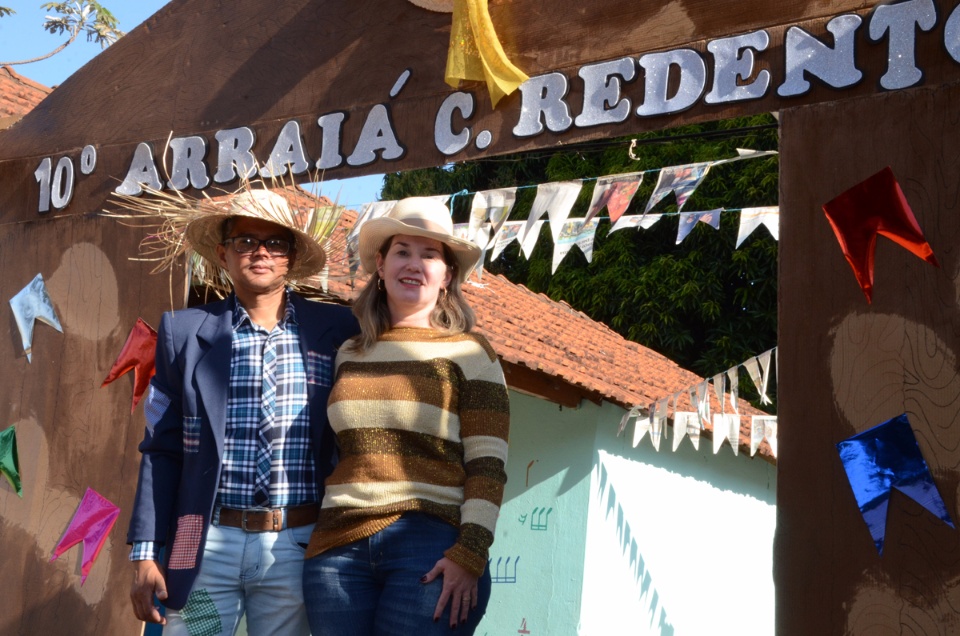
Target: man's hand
148, 581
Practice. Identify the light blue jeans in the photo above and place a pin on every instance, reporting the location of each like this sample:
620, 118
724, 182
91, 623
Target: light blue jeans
254, 573
372, 586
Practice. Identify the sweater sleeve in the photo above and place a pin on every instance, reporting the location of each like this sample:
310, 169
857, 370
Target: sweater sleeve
484, 429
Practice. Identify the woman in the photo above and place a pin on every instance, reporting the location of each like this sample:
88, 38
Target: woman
421, 413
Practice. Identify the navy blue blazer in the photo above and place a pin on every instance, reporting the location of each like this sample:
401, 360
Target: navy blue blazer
188, 402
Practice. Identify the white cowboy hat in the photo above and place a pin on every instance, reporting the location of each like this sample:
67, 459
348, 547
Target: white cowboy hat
416, 216
205, 232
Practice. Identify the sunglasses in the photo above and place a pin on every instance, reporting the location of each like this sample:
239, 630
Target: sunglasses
249, 245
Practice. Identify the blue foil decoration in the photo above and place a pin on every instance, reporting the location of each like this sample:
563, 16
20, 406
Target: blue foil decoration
882, 458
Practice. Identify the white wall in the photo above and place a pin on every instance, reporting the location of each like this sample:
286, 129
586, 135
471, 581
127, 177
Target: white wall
677, 543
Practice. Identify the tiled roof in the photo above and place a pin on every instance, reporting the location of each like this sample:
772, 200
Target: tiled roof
562, 353
18, 96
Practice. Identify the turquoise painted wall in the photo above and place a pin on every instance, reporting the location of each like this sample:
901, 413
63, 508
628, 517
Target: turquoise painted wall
598, 538
542, 521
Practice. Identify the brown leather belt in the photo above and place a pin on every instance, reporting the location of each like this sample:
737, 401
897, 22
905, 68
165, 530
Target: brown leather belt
269, 520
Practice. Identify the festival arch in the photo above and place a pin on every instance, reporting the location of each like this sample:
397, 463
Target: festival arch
866, 98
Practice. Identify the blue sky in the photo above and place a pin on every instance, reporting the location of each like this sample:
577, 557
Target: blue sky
22, 37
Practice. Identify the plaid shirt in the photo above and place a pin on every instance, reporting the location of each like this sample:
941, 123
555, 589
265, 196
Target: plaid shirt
292, 474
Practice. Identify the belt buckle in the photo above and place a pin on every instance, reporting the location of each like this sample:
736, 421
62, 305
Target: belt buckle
276, 519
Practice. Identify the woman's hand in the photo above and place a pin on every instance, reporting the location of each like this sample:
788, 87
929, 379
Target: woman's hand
459, 589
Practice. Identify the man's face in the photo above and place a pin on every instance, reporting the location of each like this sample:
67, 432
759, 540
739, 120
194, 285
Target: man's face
258, 272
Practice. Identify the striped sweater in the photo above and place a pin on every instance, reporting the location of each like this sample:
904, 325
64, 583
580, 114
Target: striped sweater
422, 419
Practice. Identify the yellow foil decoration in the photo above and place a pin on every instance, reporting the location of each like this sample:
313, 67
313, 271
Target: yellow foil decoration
475, 52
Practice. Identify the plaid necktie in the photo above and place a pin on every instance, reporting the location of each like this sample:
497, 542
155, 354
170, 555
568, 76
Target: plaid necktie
268, 403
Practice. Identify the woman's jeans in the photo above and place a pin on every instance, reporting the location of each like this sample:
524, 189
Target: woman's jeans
372, 586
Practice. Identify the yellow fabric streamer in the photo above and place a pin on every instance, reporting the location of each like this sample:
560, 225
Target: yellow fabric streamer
475, 52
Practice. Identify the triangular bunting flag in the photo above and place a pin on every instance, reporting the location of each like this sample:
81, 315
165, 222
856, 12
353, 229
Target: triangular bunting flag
9, 461
508, 234
138, 354
763, 427
90, 525
876, 206
574, 232
884, 458
615, 193
686, 423
681, 180
759, 370
726, 427
719, 390
733, 375
690, 219
30, 304
634, 221
556, 199
528, 238
493, 206
752, 218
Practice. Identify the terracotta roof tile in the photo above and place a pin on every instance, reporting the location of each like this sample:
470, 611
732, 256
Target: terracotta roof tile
18, 95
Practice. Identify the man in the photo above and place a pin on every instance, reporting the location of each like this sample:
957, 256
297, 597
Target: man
237, 443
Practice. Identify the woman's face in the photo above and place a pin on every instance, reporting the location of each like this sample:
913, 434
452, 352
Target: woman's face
413, 272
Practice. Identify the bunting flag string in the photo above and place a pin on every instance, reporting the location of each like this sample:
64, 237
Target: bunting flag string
726, 425
491, 208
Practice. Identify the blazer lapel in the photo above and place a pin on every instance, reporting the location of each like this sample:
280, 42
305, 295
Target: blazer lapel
213, 368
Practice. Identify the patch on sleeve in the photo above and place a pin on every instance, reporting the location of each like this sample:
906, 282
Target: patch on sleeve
200, 614
155, 406
319, 369
191, 434
186, 544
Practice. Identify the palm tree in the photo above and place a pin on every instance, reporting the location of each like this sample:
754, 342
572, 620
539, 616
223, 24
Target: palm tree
75, 17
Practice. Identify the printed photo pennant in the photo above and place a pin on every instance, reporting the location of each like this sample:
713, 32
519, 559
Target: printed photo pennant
615, 193
763, 427
681, 180
574, 232
644, 221
493, 206
689, 219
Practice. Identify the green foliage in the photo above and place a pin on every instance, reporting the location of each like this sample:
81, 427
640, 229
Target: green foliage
85, 15
700, 303
74, 18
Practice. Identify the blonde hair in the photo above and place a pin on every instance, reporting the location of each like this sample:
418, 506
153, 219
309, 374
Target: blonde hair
452, 312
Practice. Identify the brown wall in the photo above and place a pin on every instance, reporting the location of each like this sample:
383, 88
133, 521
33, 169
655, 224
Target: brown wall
845, 365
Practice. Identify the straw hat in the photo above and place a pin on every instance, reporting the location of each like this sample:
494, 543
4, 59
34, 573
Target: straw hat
440, 6
416, 216
205, 232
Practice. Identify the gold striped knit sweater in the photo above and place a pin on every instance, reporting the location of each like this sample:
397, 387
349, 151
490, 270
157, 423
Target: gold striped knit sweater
422, 420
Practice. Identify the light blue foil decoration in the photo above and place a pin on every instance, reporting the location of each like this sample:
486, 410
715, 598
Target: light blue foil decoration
30, 304
884, 458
